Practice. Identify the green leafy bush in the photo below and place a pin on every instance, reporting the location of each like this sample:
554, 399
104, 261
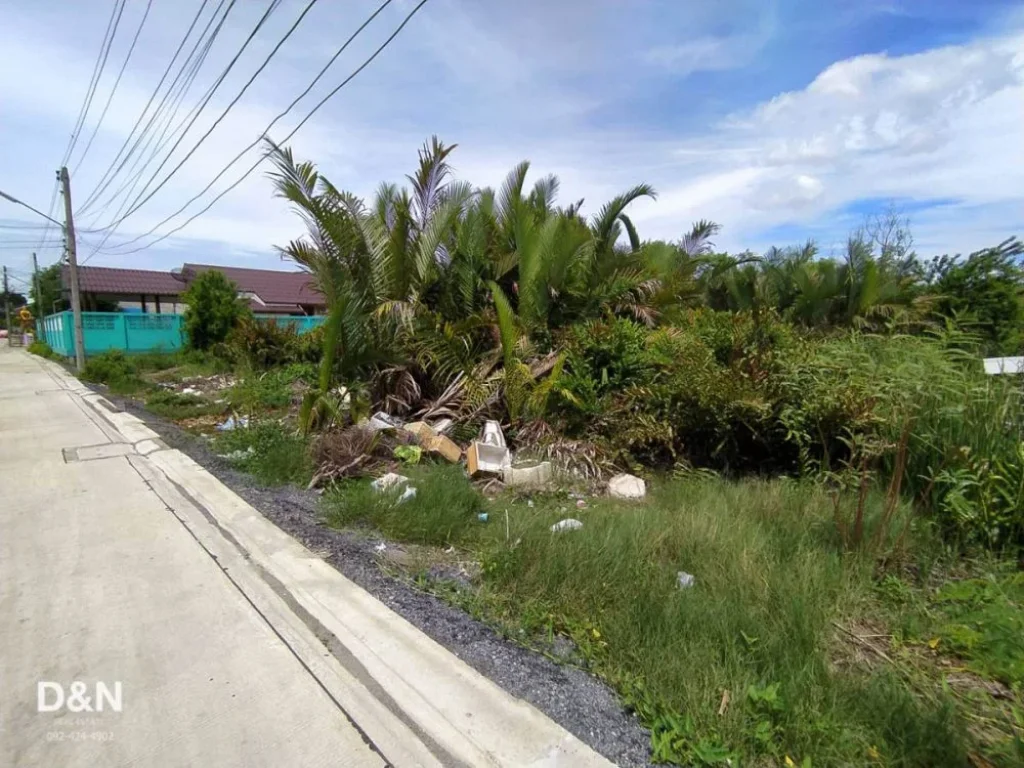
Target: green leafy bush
276, 388
176, 405
212, 309
42, 349
116, 370
263, 344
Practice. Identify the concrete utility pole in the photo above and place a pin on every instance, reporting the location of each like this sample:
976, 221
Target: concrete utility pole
7, 306
35, 282
76, 298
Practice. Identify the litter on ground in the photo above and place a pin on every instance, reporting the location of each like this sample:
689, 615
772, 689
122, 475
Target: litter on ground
569, 524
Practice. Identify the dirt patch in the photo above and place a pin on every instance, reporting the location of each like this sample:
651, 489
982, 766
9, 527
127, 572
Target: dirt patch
570, 696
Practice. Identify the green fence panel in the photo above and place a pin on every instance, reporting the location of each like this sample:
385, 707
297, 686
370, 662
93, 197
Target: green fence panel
57, 331
132, 332
302, 324
153, 333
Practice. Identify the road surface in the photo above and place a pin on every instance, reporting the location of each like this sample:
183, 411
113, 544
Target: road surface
132, 580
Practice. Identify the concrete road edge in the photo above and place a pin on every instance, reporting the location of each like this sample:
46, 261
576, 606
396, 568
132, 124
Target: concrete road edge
413, 699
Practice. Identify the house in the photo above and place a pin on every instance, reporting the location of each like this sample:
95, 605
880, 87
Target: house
269, 292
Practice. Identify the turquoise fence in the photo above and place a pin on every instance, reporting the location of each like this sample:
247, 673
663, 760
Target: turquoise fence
134, 332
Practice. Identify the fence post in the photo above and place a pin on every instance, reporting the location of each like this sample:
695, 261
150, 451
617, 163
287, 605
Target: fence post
123, 319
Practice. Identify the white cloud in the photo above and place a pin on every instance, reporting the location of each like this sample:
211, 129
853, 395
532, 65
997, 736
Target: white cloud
943, 123
705, 54
544, 84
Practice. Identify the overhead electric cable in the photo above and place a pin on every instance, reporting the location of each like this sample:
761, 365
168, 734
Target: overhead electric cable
117, 82
253, 167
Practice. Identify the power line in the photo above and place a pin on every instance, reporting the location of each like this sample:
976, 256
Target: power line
136, 204
53, 204
100, 185
133, 180
23, 226
255, 165
101, 62
117, 82
273, 122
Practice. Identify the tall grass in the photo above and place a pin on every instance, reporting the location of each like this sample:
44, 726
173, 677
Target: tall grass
444, 509
755, 631
963, 460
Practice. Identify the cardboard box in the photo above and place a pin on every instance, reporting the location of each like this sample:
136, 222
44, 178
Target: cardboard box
442, 446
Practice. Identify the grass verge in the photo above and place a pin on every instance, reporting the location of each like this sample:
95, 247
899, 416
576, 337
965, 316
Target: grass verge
444, 509
270, 451
755, 662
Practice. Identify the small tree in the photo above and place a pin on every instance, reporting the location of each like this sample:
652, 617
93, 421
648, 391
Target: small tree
213, 308
51, 297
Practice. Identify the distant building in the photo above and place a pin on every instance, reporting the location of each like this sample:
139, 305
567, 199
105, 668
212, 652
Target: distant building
141, 290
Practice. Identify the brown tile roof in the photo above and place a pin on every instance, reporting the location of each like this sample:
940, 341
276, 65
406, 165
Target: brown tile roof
279, 292
129, 281
292, 288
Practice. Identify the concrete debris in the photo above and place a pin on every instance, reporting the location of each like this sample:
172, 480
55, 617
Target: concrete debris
491, 434
684, 580
238, 455
231, 423
381, 420
442, 446
388, 481
489, 455
483, 459
627, 487
408, 493
528, 474
569, 524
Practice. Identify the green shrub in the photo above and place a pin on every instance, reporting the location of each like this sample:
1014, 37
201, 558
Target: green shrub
269, 450
276, 388
443, 510
176, 405
116, 370
212, 309
964, 458
42, 349
311, 345
263, 344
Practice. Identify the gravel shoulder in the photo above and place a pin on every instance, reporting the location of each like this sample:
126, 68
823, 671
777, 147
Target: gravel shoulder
570, 696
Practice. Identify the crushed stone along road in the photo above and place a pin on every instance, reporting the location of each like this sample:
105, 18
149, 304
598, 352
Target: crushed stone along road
573, 698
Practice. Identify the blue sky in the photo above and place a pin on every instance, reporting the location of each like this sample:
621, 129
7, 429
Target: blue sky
781, 120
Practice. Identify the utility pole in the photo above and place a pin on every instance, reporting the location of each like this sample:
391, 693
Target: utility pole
7, 307
76, 297
35, 282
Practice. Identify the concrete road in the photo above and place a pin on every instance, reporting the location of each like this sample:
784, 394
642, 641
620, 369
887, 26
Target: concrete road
180, 627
